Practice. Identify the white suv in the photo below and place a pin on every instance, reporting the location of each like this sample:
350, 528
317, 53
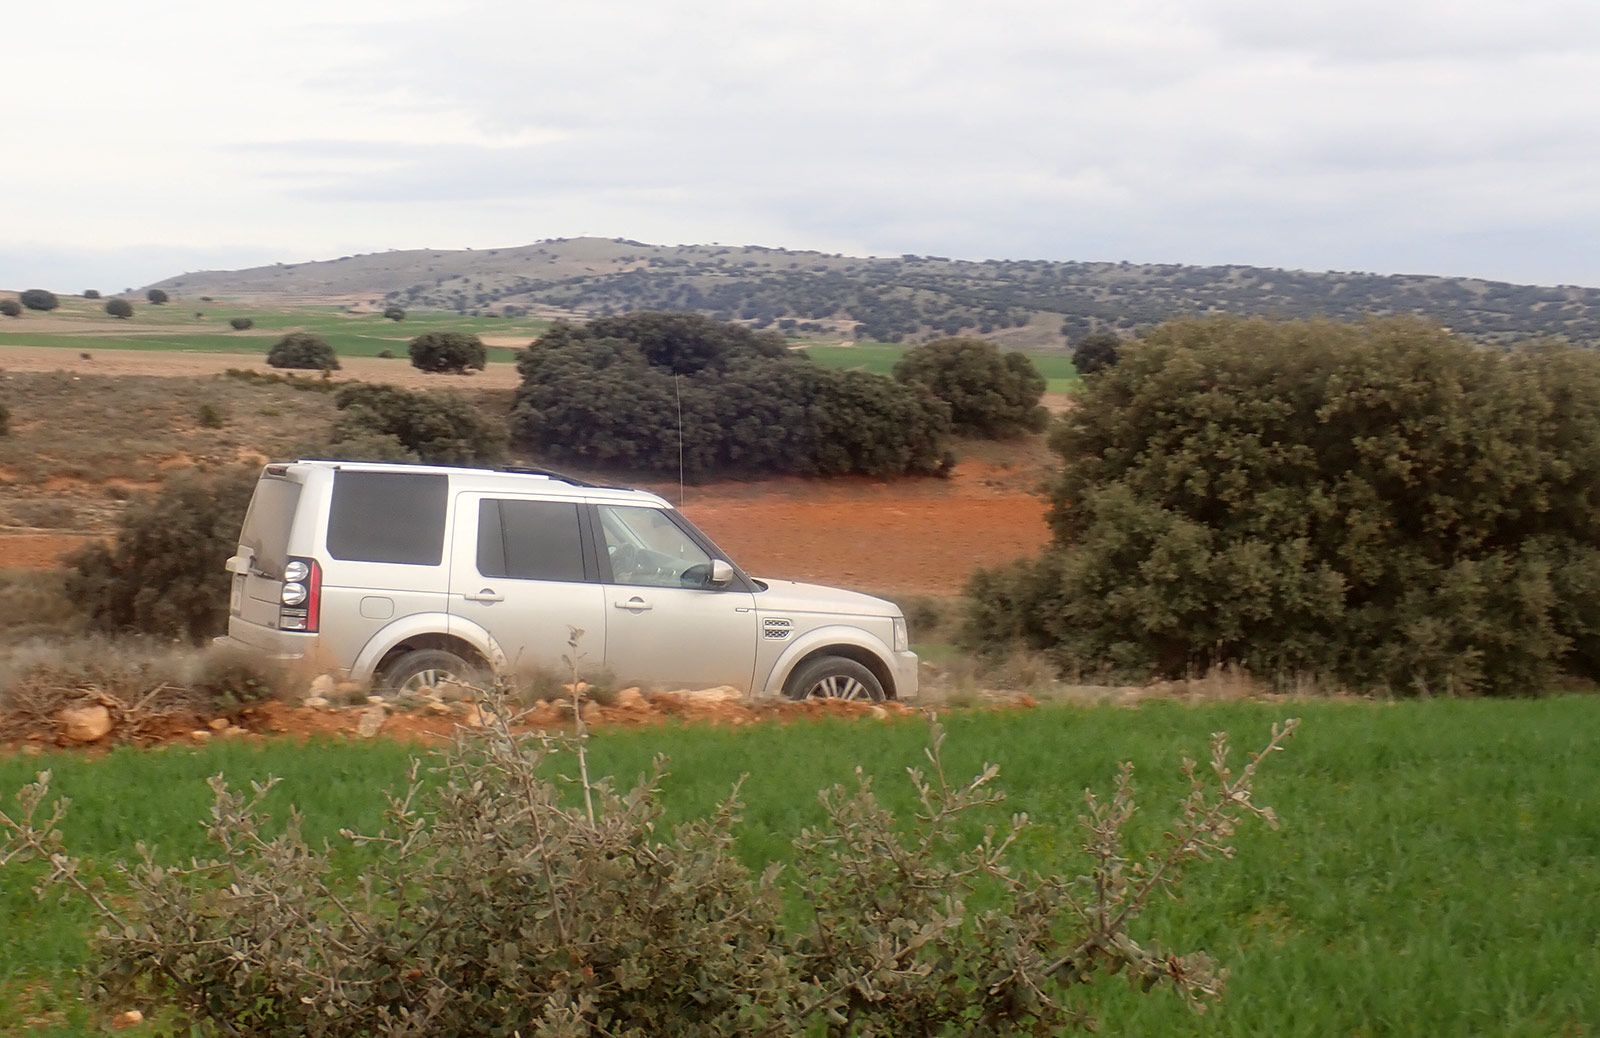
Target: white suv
405, 575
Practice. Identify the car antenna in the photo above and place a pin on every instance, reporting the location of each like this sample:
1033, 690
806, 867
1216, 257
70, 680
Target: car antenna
678, 396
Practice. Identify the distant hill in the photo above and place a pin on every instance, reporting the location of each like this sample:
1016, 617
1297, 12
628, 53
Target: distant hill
1021, 303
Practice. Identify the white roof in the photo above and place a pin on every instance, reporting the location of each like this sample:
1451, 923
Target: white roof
464, 478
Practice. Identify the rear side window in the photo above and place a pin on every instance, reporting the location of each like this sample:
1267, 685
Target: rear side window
388, 517
266, 524
530, 540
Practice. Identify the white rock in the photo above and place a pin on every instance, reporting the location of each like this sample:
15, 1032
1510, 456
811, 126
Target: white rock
217, 724
316, 703
322, 687
372, 719
85, 723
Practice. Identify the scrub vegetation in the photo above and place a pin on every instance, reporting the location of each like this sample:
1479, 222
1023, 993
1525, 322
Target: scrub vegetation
1431, 876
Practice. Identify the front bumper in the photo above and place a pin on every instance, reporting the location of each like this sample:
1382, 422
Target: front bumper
906, 675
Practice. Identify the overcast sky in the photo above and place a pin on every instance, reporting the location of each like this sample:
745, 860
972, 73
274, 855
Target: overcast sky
141, 141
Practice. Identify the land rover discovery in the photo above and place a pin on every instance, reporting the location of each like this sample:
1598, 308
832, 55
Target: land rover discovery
405, 576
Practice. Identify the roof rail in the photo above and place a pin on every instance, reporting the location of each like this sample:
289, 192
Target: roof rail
523, 470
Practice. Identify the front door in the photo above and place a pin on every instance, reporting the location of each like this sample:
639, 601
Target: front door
666, 626
521, 569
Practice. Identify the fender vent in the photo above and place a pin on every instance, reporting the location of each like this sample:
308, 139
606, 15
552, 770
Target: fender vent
777, 628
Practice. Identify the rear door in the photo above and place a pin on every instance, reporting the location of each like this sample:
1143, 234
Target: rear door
665, 625
263, 546
523, 569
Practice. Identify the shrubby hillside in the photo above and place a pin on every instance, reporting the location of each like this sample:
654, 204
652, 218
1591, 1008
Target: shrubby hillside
906, 298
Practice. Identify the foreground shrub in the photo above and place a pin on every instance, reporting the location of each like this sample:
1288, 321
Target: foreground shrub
10, 307
500, 900
39, 299
303, 350
162, 575
448, 352
991, 394
1381, 504
239, 324
119, 308
601, 401
440, 428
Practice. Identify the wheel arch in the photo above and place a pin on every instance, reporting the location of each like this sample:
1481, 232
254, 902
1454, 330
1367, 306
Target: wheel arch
427, 631
845, 642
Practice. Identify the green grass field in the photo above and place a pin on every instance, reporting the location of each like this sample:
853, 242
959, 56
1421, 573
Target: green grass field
174, 327
1434, 876
1060, 375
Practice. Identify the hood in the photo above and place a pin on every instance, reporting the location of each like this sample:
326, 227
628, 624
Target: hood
789, 596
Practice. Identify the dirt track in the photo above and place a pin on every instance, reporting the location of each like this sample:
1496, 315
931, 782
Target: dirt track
398, 371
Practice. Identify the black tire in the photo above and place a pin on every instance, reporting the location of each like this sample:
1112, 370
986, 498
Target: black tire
834, 677
426, 668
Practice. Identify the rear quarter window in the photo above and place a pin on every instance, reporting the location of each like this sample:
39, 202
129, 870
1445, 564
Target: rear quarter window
395, 517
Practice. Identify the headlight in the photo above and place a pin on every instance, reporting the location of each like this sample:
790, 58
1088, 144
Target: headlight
902, 635
296, 571
293, 594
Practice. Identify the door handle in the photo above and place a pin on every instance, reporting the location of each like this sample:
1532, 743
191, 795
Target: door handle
635, 605
486, 595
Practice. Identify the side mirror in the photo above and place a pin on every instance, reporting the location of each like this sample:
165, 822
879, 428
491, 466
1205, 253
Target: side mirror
721, 573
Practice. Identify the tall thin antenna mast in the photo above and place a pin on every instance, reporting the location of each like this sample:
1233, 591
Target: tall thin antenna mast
678, 396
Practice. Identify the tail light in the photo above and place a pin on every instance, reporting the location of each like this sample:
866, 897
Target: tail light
300, 598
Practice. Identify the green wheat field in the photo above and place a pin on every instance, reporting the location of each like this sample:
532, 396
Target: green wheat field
1435, 874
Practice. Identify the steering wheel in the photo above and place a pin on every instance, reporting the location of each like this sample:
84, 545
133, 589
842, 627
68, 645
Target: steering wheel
624, 561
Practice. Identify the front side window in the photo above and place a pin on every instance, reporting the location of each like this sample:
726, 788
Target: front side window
647, 548
530, 540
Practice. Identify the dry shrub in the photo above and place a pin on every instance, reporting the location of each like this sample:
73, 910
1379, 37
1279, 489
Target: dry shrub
34, 604
502, 898
146, 687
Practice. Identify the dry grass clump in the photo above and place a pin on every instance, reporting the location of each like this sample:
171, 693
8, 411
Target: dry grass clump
147, 687
34, 605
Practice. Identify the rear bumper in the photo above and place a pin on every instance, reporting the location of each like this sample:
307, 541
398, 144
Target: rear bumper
265, 642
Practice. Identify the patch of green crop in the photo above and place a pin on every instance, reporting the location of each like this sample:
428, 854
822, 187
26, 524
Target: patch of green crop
1434, 873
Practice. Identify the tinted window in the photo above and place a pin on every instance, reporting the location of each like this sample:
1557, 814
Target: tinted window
388, 517
266, 524
530, 540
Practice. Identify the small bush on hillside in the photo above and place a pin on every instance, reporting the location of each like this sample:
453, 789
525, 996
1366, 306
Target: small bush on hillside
452, 352
239, 324
91, 293
681, 343
304, 351
395, 313
10, 307
501, 898
440, 428
5, 420
991, 394
119, 308
210, 416
1096, 352
1381, 505
156, 296
39, 299
162, 575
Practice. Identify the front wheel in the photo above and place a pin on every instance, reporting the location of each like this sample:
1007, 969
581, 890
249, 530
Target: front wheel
834, 677
420, 669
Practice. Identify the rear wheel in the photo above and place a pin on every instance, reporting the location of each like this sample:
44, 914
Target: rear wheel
421, 669
834, 677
